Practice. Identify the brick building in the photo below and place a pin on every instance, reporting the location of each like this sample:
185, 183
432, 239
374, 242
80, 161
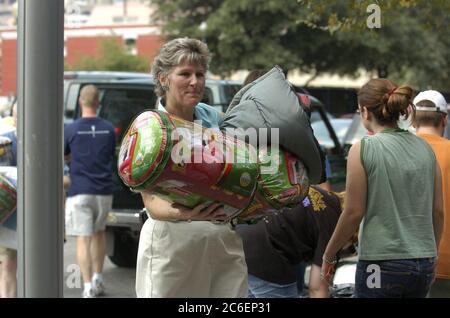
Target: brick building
144, 39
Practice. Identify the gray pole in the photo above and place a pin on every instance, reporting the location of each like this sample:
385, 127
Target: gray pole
40, 165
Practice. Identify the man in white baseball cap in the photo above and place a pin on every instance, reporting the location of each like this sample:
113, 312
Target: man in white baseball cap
440, 104
430, 122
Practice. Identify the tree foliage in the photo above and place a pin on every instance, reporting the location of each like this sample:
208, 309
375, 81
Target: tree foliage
113, 57
318, 36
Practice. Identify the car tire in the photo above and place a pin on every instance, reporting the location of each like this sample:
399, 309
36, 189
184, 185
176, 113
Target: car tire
125, 249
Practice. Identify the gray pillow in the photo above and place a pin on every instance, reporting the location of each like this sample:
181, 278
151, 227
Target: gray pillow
270, 102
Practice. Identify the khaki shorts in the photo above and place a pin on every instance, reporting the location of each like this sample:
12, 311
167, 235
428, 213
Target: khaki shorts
86, 214
7, 253
190, 260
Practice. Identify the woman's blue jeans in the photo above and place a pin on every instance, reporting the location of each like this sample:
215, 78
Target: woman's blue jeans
259, 288
404, 278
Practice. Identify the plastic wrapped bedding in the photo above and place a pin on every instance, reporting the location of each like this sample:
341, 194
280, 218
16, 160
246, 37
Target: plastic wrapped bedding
270, 102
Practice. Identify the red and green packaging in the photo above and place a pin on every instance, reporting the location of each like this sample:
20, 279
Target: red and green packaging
171, 157
282, 182
188, 164
8, 198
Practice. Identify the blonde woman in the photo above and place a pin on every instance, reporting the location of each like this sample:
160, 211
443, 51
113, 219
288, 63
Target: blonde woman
177, 258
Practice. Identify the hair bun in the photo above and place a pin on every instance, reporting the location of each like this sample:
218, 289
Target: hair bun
399, 99
385, 100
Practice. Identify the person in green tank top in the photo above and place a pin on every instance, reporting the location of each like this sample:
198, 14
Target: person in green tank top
394, 196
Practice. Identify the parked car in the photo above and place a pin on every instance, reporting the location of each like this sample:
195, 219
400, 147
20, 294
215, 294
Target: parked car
103, 75
219, 93
120, 103
338, 100
334, 148
315, 116
356, 131
340, 126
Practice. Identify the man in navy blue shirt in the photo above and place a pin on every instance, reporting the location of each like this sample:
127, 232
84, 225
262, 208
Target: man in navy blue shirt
89, 146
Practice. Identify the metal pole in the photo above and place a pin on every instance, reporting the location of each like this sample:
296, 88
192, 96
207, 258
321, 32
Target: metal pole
40, 131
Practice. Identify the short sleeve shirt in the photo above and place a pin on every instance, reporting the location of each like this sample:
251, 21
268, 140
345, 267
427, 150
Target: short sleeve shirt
90, 142
274, 246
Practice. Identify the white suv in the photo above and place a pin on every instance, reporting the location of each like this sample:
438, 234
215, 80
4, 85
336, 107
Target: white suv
219, 93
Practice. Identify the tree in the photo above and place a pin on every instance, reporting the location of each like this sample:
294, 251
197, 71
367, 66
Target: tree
317, 36
113, 57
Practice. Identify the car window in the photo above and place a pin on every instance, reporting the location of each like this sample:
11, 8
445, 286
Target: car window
315, 116
340, 100
322, 134
229, 91
219, 94
208, 96
357, 130
121, 105
71, 106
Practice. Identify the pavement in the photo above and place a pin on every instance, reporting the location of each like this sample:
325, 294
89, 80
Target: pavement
119, 282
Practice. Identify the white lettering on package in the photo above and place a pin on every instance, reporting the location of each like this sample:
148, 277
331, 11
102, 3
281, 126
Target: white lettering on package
93, 132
